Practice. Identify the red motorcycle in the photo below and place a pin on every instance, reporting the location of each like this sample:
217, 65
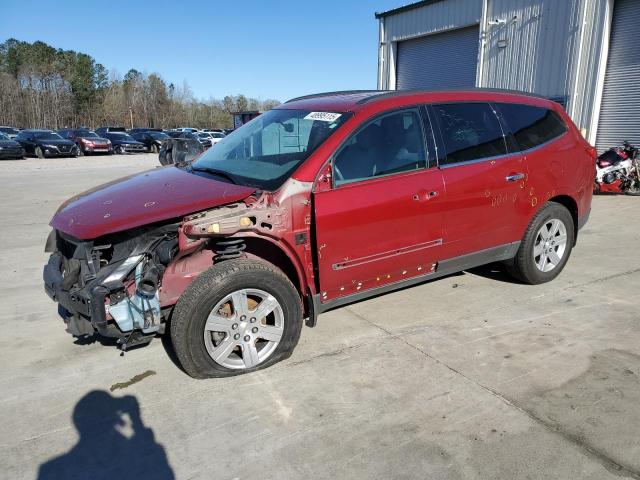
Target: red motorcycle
618, 170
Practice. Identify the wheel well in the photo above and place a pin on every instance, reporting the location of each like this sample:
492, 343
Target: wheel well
265, 250
571, 205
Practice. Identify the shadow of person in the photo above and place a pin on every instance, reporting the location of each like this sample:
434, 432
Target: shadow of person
114, 443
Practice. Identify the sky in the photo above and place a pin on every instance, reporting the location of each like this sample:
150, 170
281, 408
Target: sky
262, 49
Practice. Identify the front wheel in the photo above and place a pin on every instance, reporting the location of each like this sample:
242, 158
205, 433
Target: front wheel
236, 317
546, 246
119, 150
633, 188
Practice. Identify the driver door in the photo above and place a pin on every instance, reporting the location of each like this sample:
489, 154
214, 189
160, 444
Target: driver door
381, 222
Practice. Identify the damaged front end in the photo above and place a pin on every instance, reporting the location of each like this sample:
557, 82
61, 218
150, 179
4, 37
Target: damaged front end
110, 285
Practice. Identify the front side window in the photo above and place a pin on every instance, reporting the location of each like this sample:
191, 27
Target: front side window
470, 131
264, 152
389, 144
531, 126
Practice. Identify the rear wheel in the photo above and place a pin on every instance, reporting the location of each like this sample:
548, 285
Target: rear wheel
154, 148
236, 317
39, 153
119, 150
80, 151
546, 246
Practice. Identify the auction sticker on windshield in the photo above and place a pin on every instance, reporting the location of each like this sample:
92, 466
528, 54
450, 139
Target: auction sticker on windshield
323, 116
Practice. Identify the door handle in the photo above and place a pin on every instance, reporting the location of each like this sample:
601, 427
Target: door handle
514, 177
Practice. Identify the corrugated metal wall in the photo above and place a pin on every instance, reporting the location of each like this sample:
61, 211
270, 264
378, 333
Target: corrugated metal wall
549, 47
442, 60
435, 17
620, 114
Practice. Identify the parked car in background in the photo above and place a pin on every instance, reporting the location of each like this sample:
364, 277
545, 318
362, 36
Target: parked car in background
10, 148
185, 129
46, 143
152, 139
10, 132
124, 143
144, 129
215, 137
379, 191
204, 138
102, 130
204, 141
87, 140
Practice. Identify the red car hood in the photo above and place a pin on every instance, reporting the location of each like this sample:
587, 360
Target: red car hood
141, 199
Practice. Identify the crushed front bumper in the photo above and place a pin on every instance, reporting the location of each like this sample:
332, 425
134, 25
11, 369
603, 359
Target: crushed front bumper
82, 309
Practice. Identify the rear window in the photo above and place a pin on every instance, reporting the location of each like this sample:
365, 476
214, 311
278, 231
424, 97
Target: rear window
531, 126
470, 131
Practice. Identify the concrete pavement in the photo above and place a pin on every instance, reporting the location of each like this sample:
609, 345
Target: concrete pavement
471, 376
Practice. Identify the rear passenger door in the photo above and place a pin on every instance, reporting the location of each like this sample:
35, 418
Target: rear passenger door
484, 178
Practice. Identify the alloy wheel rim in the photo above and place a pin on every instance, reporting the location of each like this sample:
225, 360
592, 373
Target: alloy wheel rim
550, 245
244, 329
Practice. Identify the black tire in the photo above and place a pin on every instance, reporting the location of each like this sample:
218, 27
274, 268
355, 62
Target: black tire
522, 266
119, 150
39, 153
211, 286
154, 148
633, 189
80, 151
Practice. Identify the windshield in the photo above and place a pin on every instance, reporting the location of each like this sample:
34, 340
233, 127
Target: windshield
48, 136
203, 135
120, 136
9, 130
264, 152
217, 135
158, 135
86, 134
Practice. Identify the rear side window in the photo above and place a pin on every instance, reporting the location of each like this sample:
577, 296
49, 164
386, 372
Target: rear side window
531, 126
470, 131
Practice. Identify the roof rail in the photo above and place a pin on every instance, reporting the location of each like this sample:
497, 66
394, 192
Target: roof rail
393, 93
329, 94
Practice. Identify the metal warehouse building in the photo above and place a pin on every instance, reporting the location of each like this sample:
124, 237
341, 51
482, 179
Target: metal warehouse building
582, 53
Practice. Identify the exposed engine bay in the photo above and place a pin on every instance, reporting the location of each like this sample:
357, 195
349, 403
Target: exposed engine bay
111, 284
124, 285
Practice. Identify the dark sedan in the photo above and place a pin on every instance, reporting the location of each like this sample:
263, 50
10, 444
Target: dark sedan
86, 140
205, 141
10, 132
152, 139
45, 143
10, 148
123, 142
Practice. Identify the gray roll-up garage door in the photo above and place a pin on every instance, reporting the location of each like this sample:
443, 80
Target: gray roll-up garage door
438, 61
620, 110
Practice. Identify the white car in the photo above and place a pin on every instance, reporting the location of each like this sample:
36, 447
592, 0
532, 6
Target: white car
214, 136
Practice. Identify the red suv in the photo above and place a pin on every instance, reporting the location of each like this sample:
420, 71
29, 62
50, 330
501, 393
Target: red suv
323, 201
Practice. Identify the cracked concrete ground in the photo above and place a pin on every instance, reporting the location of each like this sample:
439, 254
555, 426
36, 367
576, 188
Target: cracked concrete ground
471, 376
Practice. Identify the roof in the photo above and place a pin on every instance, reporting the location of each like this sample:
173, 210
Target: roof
405, 8
353, 100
